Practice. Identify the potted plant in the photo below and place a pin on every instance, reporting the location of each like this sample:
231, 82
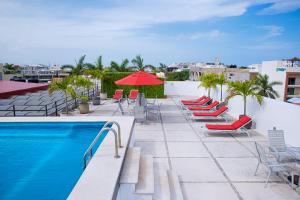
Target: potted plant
83, 105
86, 84
64, 85
208, 81
244, 89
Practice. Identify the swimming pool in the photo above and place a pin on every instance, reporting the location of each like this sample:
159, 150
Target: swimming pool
43, 160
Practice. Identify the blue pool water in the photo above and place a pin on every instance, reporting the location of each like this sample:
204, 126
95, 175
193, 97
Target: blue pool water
43, 160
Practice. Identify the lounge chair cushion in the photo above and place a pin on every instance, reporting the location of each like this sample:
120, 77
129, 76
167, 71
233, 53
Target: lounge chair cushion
193, 101
216, 113
234, 126
209, 107
202, 102
241, 122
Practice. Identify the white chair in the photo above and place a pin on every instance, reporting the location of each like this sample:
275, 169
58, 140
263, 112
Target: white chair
272, 165
278, 146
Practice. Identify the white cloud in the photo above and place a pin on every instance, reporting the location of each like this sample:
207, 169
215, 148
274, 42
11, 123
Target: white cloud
272, 31
214, 34
117, 27
281, 6
270, 46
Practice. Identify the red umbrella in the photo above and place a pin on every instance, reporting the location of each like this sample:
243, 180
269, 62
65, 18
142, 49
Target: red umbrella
139, 78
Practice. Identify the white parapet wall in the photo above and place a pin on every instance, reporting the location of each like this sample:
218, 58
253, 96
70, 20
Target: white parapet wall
273, 113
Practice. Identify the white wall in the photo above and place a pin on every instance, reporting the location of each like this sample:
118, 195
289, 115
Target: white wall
271, 69
272, 113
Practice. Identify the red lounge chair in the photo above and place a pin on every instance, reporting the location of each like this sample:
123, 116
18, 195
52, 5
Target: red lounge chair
194, 101
217, 114
235, 126
202, 102
206, 108
118, 95
133, 95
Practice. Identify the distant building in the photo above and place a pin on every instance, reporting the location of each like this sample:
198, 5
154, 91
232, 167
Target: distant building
231, 74
41, 73
286, 72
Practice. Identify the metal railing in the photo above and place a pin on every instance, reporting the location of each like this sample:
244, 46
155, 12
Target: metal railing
89, 152
50, 109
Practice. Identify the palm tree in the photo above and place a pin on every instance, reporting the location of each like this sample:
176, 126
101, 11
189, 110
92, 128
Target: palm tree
99, 64
79, 67
138, 63
208, 81
97, 74
163, 67
221, 81
64, 85
244, 89
265, 88
81, 81
123, 67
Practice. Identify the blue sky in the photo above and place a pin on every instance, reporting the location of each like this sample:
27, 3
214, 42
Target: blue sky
240, 32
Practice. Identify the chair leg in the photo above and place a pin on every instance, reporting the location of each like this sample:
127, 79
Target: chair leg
267, 181
256, 169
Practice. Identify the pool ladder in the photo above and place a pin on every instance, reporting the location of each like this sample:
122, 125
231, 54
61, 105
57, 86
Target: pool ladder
89, 152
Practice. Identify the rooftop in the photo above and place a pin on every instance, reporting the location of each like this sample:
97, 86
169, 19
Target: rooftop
211, 167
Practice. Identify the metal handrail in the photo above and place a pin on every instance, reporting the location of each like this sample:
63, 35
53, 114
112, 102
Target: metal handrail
46, 107
119, 130
89, 152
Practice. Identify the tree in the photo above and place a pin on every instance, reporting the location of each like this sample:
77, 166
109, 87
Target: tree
79, 68
293, 60
123, 67
138, 62
220, 80
208, 81
163, 68
265, 88
244, 89
232, 66
81, 81
99, 64
64, 85
97, 74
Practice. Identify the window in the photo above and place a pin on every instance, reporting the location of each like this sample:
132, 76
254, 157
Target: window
291, 81
291, 91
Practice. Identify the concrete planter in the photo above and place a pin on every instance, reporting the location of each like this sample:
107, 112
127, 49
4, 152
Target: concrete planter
96, 100
103, 95
84, 108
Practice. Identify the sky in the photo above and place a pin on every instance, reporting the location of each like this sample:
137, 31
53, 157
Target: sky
239, 32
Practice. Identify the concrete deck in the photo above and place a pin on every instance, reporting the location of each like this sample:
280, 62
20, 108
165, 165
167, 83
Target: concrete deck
209, 167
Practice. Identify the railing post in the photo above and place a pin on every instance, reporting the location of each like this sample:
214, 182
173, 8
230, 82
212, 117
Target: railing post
55, 103
46, 110
14, 110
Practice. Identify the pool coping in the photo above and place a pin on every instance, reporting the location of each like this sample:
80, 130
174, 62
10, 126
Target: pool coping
100, 178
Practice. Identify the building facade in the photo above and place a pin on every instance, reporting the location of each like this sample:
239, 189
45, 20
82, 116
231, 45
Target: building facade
288, 73
41, 73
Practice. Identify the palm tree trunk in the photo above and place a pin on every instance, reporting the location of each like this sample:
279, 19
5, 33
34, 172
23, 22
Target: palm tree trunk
208, 92
67, 110
245, 104
221, 93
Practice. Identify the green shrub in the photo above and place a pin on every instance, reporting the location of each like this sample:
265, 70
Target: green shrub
109, 86
178, 76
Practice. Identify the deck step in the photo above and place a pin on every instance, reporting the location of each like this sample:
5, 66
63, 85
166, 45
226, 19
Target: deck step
162, 188
175, 188
145, 184
130, 171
